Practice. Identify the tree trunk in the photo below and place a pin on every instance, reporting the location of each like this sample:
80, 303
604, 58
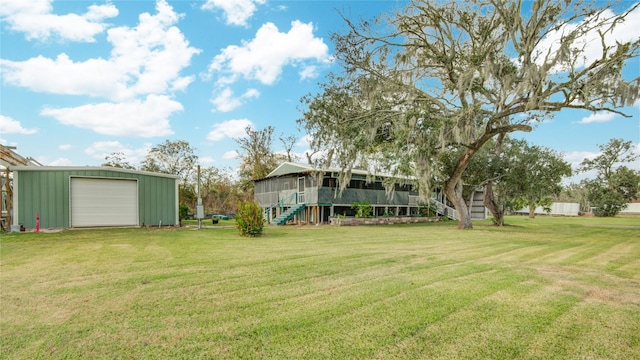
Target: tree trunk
453, 185
532, 212
453, 190
490, 203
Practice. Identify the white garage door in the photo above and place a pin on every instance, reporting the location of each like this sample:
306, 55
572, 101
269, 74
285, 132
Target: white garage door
104, 202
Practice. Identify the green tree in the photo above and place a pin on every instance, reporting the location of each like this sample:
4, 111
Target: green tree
574, 192
514, 174
442, 75
171, 157
176, 158
220, 193
118, 159
538, 174
363, 209
615, 184
257, 158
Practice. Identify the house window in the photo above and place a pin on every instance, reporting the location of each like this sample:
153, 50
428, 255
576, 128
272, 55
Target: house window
329, 182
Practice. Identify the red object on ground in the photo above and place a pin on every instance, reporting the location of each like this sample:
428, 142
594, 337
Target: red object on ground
37, 222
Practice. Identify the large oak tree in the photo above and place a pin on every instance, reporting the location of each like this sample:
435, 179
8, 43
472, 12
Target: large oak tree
441, 75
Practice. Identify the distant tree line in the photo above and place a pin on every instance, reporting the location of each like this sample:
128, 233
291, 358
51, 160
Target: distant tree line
512, 173
223, 189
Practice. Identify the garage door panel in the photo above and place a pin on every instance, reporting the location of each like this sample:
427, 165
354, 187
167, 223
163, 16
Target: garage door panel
104, 202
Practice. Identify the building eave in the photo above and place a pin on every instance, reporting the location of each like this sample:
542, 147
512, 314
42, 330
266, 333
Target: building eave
90, 168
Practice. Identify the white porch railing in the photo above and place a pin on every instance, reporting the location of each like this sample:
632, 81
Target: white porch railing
445, 210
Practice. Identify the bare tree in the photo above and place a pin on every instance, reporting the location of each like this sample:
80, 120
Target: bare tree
257, 157
117, 159
288, 142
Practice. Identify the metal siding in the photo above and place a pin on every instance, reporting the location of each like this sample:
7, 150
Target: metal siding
169, 202
157, 210
149, 217
39, 192
142, 203
65, 220
153, 193
165, 203
51, 203
38, 195
157, 201
152, 216
25, 199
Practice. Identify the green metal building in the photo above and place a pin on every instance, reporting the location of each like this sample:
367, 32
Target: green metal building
70, 197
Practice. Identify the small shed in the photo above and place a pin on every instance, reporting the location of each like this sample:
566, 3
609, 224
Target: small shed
72, 197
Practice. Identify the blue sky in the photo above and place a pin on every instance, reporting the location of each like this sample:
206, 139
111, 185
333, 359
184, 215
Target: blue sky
83, 79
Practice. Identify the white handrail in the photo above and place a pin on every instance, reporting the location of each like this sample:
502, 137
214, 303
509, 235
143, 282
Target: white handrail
445, 210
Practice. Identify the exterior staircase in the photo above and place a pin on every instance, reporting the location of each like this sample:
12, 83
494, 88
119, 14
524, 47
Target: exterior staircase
288, 215
444, 210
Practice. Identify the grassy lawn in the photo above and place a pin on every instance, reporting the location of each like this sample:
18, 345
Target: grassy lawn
540, 289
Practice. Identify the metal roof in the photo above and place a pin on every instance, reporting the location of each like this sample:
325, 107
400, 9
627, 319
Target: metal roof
90, 168
288, 168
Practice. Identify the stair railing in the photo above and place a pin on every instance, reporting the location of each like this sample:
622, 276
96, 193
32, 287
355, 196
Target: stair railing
445, 210
284, 201
280, 204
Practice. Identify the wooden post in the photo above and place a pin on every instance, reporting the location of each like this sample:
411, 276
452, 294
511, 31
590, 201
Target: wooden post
9, 199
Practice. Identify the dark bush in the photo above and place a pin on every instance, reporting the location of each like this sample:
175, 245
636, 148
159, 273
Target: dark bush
183, 211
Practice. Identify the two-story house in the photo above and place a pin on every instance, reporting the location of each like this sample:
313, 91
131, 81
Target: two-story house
307, 194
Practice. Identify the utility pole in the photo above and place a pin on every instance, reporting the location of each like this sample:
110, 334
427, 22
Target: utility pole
199, 207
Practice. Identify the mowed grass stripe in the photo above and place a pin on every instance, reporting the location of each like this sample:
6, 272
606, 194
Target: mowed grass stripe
540, 289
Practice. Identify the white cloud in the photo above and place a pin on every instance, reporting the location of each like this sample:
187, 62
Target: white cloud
305, 141
65, 147
134, 118
60, 162
226, 102
101, 149
144, 60
231, 128
628, 30
11, 126
206, 160
36, 20
230, 155
575, 157
309, 72
94, 77
599, 117
264, 57
237, 12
